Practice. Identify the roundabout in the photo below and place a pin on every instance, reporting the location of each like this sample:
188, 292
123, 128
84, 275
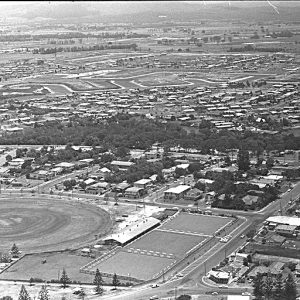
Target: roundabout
47, 224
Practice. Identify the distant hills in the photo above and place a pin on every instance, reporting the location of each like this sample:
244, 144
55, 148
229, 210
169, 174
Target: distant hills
149, 11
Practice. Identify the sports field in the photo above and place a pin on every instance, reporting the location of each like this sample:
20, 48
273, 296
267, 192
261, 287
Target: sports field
166, 243
33, 266
194, 223
139, 266
37, 224
157, 251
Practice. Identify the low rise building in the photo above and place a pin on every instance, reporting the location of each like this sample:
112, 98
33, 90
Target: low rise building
134, 192
219, 276
176, 193
132, 231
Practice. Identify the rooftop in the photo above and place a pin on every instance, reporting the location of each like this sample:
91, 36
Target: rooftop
284, 220
178, 189
131, 231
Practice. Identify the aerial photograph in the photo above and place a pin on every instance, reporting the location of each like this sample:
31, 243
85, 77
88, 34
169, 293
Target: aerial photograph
150, 150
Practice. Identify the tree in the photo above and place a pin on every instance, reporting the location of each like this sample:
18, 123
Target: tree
115, 281
268, 286
279, 292
64, 280
121, 152
98, 282
8, 158
290, 290
184, 297
180, 172
43, 294
194, 167
270, 162
6, 298
23, 294
14, 250
227, 161
243, 160
258, 286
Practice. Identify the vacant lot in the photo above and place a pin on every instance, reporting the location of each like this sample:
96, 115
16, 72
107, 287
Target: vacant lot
206, 225
33, 266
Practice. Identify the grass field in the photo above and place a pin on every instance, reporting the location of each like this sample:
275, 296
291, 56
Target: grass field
126, 83
58, 89
101, 83
206, 225
159, 79
167, 243
32, 266
143, 267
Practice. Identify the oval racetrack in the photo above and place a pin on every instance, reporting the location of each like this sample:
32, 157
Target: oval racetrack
47, 224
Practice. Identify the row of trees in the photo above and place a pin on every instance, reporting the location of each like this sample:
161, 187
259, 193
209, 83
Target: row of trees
65, 280
70, 35
135, 132
84, 48
98, 281
270, 288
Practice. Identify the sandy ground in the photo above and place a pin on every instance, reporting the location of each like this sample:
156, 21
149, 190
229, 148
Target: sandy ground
55, 292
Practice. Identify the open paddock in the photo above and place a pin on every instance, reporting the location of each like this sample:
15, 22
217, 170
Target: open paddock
33, 266
143, 267
166, 243
160, 79
201, 224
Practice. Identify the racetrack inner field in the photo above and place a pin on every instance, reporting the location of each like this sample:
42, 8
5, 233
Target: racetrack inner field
46, 224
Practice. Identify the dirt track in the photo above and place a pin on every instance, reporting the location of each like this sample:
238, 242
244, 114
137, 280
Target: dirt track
36, 224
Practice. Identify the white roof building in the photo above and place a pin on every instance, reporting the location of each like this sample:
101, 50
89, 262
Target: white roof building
143, 182
134, 230
293, 221
178, 189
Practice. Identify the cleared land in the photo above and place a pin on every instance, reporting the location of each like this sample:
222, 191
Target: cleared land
36, 224
139, 266
33, 266
206, 225
167, 243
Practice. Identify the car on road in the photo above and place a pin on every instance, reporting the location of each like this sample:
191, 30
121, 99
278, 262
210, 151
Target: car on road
179, 275
154, 285
242, 236
224, 240
215, 293
154, 298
